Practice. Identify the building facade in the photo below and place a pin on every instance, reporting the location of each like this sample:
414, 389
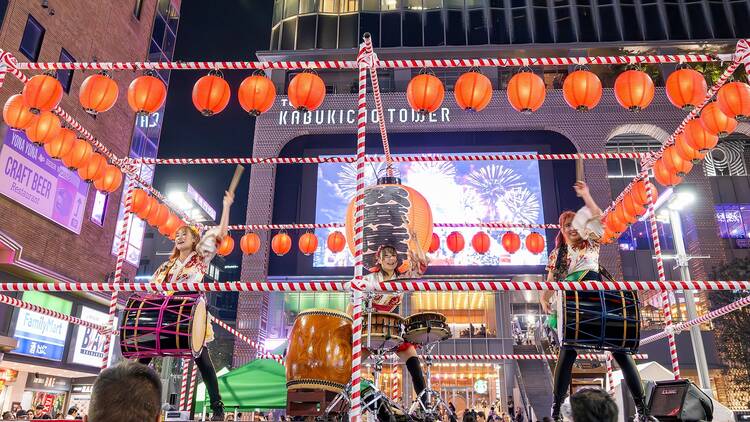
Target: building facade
331, 30
69, 235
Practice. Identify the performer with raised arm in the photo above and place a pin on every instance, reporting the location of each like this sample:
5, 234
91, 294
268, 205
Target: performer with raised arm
576, 258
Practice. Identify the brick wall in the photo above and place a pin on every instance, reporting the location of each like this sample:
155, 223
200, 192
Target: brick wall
86, 29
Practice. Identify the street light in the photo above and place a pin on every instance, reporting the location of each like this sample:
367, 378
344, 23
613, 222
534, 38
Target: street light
676, 200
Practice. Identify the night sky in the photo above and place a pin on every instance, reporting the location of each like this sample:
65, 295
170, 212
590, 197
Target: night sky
226, 30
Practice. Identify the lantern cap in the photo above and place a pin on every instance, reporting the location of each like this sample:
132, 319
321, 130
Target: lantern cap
389, 180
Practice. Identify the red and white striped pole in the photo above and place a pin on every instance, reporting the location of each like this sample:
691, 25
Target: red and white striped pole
191, 388
665, 303
395, 393
610, 375
184, 383
379, 106
122, 250
355, 410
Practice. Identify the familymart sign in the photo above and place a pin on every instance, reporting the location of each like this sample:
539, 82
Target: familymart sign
349, 116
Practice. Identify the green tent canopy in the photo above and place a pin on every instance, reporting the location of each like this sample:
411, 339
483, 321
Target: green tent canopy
261, 384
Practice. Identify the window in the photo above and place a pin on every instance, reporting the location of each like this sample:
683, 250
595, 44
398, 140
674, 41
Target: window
291, 8
563, 22
99, 210
306, 32
477, 28
677, 30
631, 26
288, 34
392, 36
586, 20
65, 76
455, 32
434, 33
608, 21
413, 29
722, 28
137, 9
542, 28
327, 31
741, 17
653, 23
498, 32
618, 168
638, 237
699, 28
347, 31
733, 220
31, 42
521, 31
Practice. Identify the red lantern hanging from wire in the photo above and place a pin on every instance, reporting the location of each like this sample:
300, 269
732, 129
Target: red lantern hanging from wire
582, 90
146, 94
632, 205
473, 91
425, 93
675, 163
139, 201
716, 122
79, 155
434, 243
336, 242
93, 168
281, 243
42, 93
110, 180
535, 243
308, 243
511, 242
256, 94
306, 91
634, 90
226, 246
526, 91
455, 242
664, 176
698, 137
211, 93
16, 113
44, 127
734, 100
686, 88
61, 144
250, 243
98, 93
686, 151
481, 242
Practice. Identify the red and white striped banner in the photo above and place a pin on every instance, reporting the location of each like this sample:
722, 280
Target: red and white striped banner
392, 64
587, 356
308, 226
262, 352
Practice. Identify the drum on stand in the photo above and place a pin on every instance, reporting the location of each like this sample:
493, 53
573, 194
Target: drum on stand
381, 331
426, 328
601, 320
158, 325
319, 356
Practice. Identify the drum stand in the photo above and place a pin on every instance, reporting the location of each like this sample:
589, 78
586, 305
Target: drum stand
430, 406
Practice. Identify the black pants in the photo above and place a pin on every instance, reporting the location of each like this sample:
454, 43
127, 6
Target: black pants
564, 374
208, 373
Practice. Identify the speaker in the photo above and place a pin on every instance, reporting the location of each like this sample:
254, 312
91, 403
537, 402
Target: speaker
680, 401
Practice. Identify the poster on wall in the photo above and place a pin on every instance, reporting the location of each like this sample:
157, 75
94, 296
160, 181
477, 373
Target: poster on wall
89, 346
40, 335
40, 183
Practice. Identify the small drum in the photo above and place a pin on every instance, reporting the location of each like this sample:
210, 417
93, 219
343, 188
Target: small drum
426, 327
157, 325
382, 331
601, 320
319, 356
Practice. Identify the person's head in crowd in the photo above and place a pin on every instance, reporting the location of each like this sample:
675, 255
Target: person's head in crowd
22, 415
127, 392
592, 405
7, 416
73, 411
38, 411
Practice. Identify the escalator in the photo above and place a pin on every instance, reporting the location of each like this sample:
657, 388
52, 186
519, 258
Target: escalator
536, 377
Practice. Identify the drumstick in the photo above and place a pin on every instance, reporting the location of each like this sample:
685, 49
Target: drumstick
235, 179
579, 170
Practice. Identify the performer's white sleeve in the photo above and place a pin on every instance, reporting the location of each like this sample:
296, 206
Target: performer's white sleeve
206, 248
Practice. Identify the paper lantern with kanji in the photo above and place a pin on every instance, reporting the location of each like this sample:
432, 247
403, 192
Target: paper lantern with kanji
455, 242
336, 241
139, 201
716, 122
61, 144
146, 94
511, 242
158, 215
211, 94
110, 180
42, 93
226, 246
582, 90
473, 91
526, 91
434, 243
425, 93
390, 211
281, 243
481, 242
43, 128
98, 93
675, 163
686, 88
308, 243
686, 151
632, 205
170, 226
698, 137
93, 168
535, 243
256, 94
634, 90
664, 176
16, 113
78, 155
306, 91
734, 100
250, 243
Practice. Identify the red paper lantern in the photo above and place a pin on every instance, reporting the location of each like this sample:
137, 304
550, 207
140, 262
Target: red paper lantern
211, 94
425, 93
110, 180
98, 93
686, 88
614, 224
698, 137
281, 244
16, 114
250, 243
93, 169
675, 163
665, 176
306, 91
526, 92
634, 90
226, 246
686, 151
607, 237
632, 205
734, 100
716, 122
167, 229
146, 94
159, 215
455, 242
79, 155
481, 242
256, 94
473, 91
511, 242
623, 215
44, 127
582, 90
42, 93
308, 243
535, 243
640, 193
139, 201
61, 144
434, 243
336, 242
150, 208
